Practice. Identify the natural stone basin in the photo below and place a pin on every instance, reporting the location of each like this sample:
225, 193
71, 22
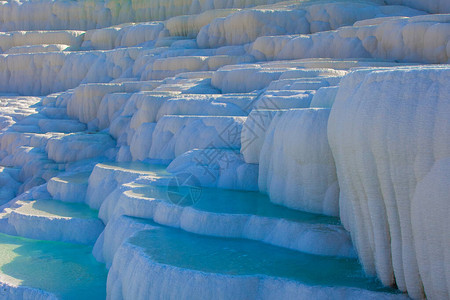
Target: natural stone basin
228, 268
67, 271
227, 202
237, 257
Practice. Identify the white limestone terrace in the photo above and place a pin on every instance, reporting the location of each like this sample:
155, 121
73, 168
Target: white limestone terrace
57, 269
238, 267
386, 193
45, 219
139, 50
229, 149
99, 14
87, 14
246, 214
421, 38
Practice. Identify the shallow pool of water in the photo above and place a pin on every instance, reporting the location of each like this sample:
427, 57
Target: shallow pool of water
243, 257
69, 271
53, 208
228, 201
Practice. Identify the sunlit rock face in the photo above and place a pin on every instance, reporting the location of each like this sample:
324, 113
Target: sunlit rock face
416, 39
256, 149
296, 165
439, 6
384, 149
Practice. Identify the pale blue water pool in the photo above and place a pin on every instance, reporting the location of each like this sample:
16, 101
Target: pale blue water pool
53, 208
230, 202
69, 271
243, 257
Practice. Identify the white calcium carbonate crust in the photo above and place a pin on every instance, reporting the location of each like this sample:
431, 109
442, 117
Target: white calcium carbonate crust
296, 165
387, 129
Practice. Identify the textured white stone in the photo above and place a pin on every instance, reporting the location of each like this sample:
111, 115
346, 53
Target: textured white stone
296, 165
387, 129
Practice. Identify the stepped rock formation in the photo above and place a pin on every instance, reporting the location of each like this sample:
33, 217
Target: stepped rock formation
256, 149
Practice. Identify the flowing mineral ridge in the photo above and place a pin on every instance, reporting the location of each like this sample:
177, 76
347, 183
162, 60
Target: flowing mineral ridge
224, 149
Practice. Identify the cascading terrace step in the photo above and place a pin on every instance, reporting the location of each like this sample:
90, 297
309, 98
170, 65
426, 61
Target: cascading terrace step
32, 269
107, 176
69, 188
52, 220
183, 265
178, 201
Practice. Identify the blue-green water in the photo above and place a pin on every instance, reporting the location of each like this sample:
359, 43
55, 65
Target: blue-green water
52, 208
243, 257
69, 271
231, 202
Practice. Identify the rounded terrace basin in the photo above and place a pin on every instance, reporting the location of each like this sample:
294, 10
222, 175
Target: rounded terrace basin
136, 167
67, 271
57, 209
228, 202
56, 221
229, 213
243, 257
200, 266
